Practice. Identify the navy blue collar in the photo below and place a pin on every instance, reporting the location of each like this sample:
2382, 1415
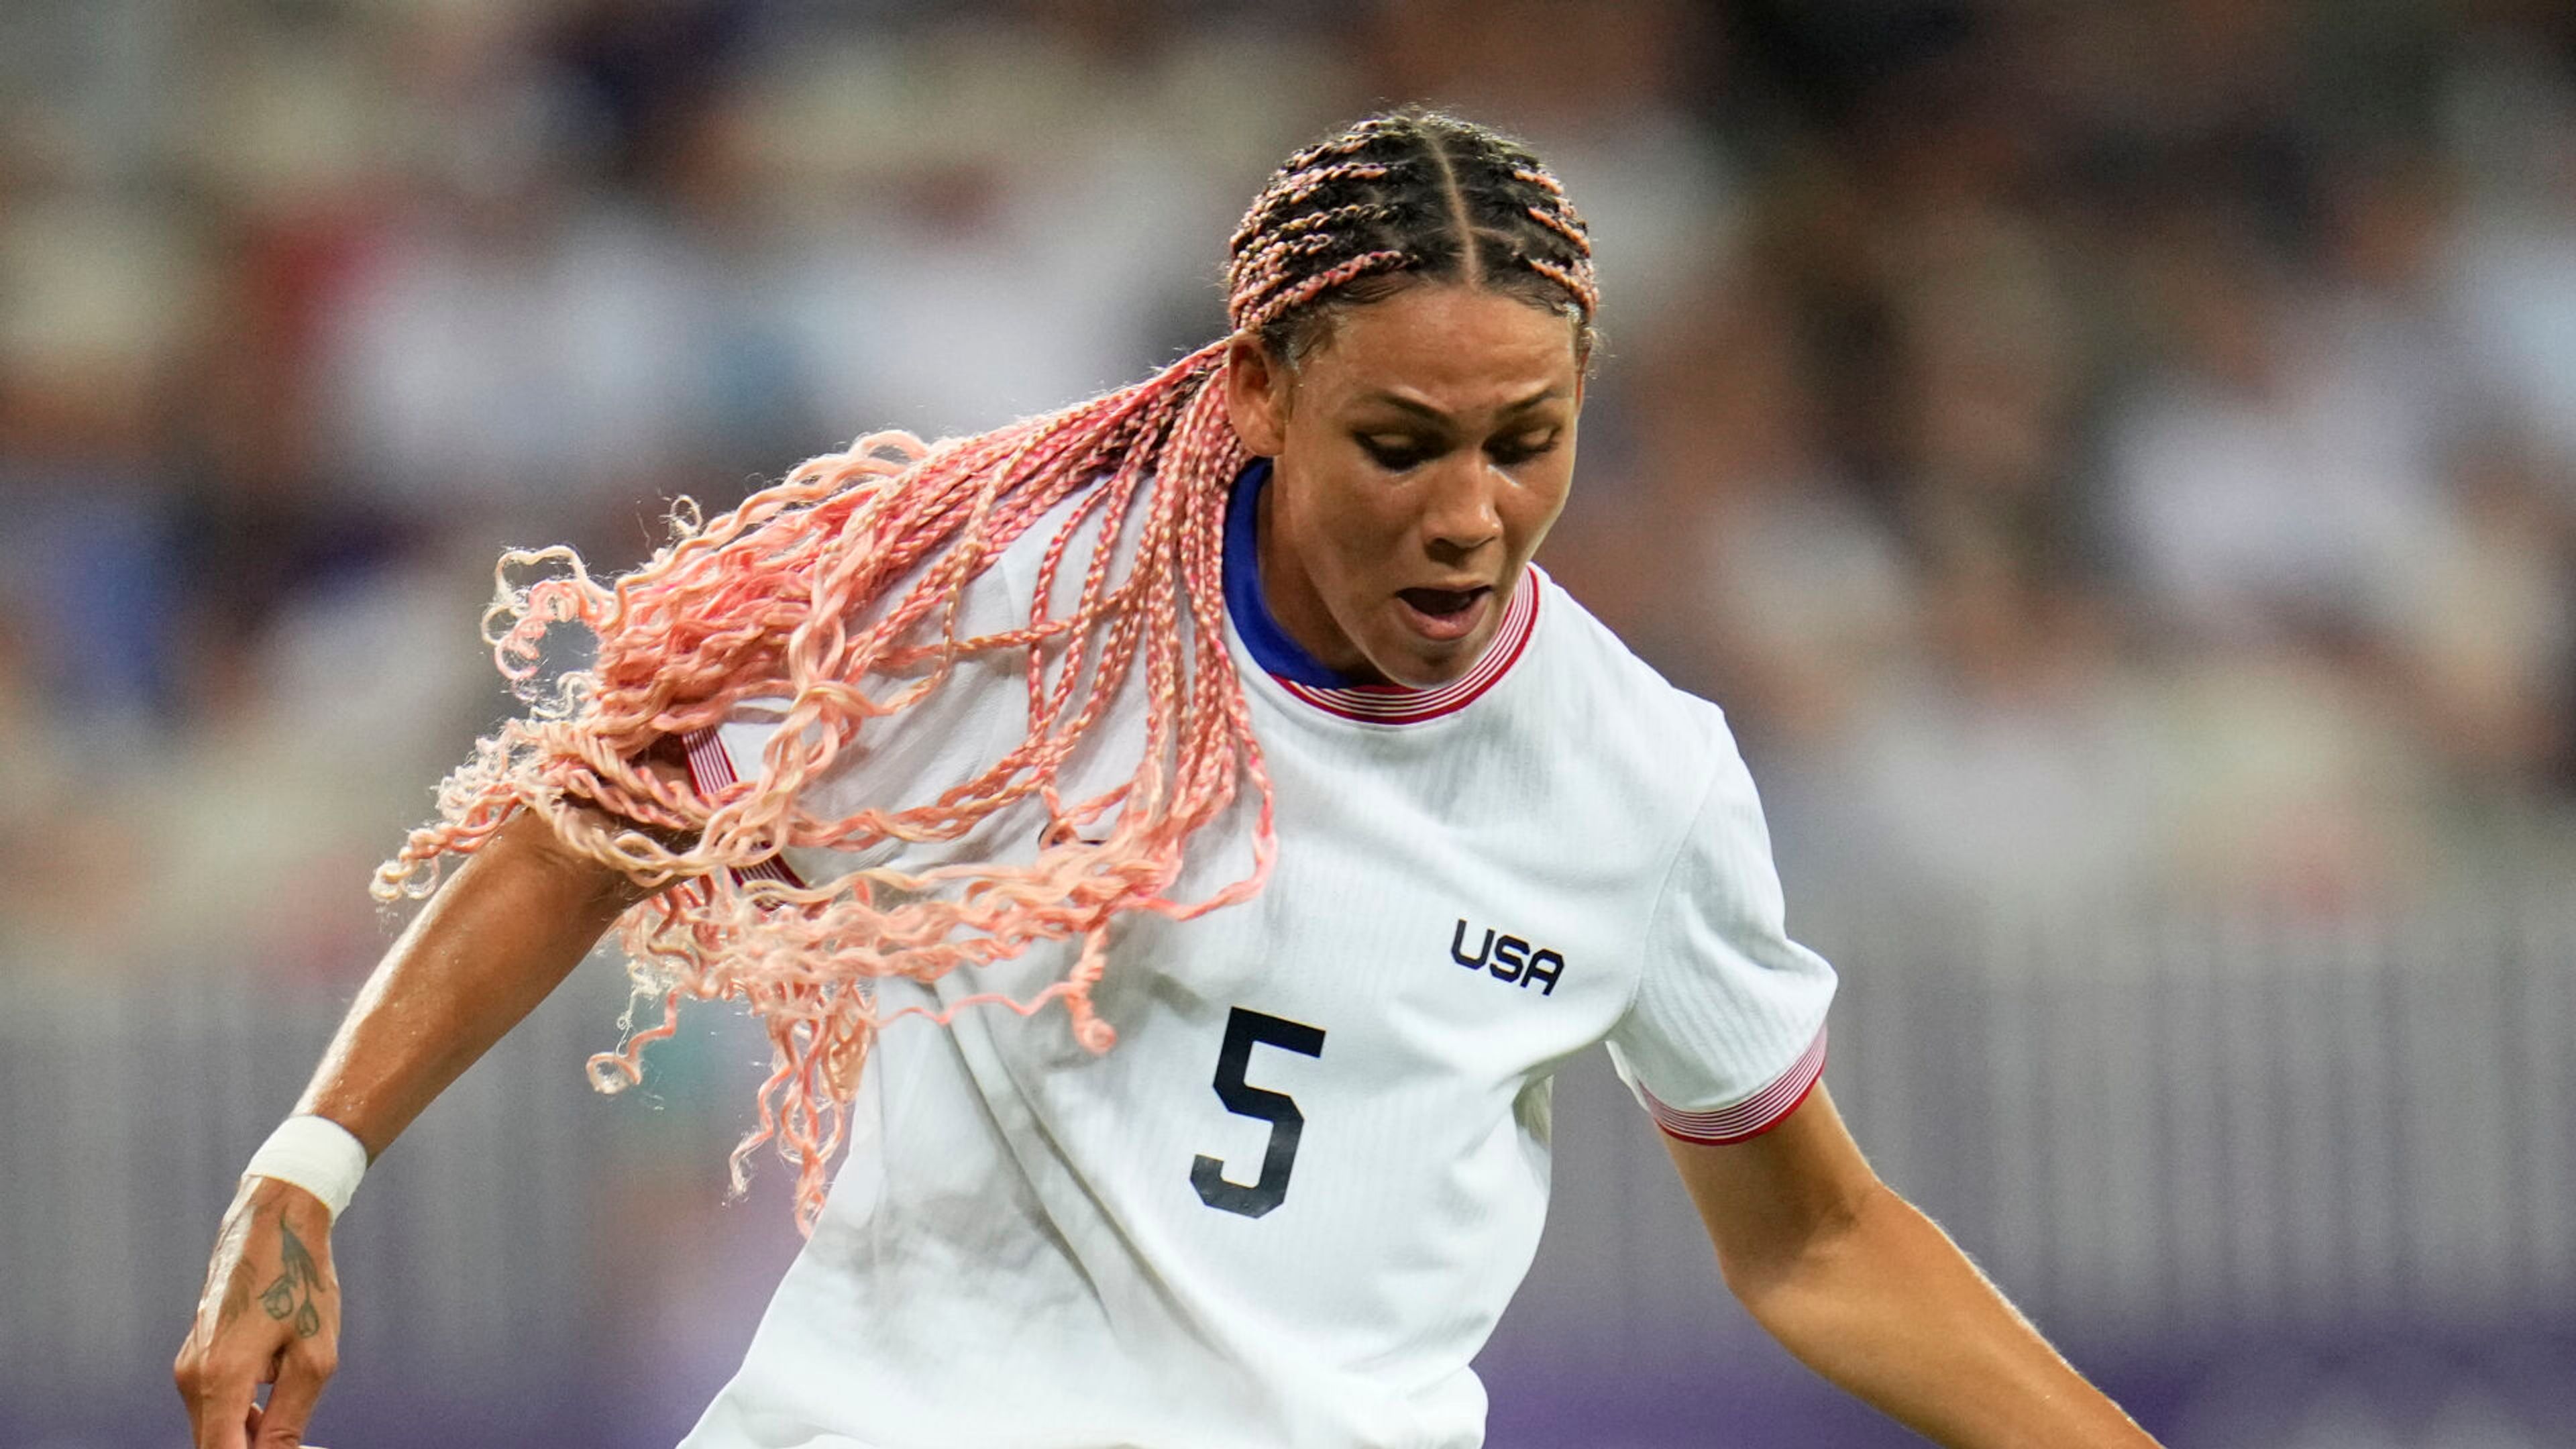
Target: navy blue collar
1269, 644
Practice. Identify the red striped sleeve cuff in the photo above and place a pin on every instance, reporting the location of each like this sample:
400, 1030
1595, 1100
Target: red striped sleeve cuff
711, 769
1751, 1117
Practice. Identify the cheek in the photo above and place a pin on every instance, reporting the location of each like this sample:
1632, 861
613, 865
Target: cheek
1335, 533
1528, 512
1353, 516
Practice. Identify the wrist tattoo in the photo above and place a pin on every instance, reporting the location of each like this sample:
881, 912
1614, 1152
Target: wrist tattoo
292, 1297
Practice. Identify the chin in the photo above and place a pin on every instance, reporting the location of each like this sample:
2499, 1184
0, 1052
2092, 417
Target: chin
1407, 663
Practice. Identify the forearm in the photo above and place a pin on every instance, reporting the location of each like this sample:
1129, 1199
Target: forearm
485, 950
495, 939
1882, 1303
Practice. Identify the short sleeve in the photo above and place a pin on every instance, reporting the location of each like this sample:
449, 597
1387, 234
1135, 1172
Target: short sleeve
1726, 1035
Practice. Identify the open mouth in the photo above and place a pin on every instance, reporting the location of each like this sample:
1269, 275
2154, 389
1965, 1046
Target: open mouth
1445, 614
1441, 603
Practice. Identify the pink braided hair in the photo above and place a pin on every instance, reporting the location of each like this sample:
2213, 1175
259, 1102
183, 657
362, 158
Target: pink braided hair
800, 594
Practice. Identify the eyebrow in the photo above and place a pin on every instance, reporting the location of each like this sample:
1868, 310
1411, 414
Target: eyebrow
1431, 414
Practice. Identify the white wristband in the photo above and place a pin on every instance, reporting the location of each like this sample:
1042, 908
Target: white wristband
316, 1154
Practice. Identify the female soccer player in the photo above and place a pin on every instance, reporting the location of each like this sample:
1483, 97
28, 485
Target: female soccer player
1228, 711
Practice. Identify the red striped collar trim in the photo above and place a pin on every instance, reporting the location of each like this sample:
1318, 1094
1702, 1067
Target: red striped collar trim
711, 770
1395, 704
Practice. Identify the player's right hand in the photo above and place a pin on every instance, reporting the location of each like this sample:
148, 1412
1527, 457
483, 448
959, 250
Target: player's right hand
270, 1314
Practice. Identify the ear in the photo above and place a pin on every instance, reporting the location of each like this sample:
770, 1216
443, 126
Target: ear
1256, 396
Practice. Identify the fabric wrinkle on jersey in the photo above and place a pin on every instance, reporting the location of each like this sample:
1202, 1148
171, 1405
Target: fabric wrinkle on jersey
1022, 1250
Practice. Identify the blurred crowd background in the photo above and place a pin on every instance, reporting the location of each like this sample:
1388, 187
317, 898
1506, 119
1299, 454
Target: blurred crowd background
2111, 460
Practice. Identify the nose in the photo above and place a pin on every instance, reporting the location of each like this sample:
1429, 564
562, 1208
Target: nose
1462, 511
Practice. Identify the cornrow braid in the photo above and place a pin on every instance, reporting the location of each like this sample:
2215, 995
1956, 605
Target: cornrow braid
1417, 193
1350, 142
834, 597
1282, 298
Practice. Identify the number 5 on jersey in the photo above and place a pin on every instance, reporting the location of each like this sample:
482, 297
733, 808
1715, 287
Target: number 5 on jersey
1243, 1030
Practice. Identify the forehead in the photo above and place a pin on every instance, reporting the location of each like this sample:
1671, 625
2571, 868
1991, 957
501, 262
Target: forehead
1462, 350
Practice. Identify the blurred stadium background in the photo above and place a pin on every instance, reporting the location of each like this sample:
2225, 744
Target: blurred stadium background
2116, 463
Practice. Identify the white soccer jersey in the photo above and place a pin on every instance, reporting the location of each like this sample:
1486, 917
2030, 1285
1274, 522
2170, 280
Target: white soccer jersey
1288, 1207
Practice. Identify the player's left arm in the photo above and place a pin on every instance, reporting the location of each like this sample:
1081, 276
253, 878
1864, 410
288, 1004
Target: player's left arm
1866, 1291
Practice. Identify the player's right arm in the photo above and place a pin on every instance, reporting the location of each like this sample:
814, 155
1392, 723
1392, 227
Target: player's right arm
495, 939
